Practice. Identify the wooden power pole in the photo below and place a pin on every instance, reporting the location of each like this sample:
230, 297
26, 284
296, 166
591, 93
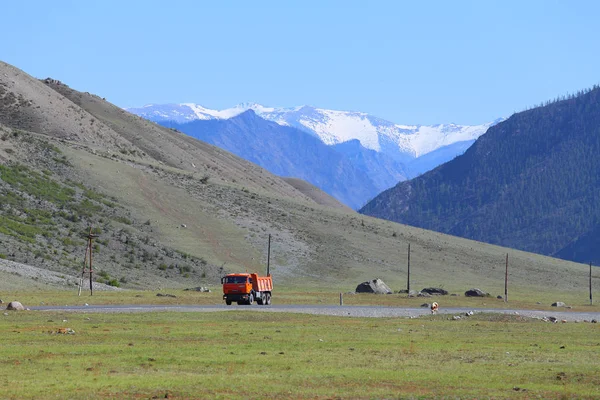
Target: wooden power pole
269, 257
506, 281
408, 277
88, 255
591, 298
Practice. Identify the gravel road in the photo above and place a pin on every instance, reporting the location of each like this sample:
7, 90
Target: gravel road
343, 311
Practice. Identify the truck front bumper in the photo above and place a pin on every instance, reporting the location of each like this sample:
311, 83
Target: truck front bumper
236, 296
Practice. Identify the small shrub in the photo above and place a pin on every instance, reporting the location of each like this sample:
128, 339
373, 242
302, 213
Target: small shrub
186, 268
123, 220
113, 282
162, 267
68, 241
204, 179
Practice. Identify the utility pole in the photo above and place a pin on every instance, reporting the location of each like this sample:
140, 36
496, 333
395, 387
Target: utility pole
408, 277
591, 298
269, 257
88, 251
506, 281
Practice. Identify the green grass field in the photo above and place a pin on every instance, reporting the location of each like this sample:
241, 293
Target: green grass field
296, 295
273, 355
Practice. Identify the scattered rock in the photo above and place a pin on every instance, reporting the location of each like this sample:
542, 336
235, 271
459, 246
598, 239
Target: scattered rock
65, 331
499, 297
435, 291
594, 321
456, 317
425, 305
376, 286
552, 319
558, 304
421, 294
198, 289
15, 306
165, 295
475, 293
469, 313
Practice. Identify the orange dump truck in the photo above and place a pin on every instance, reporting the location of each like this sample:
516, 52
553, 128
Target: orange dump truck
245, 288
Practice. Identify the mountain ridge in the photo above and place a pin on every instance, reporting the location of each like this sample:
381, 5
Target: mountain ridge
401, 142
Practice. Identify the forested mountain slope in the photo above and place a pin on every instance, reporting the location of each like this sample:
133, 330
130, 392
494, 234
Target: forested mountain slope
531, 182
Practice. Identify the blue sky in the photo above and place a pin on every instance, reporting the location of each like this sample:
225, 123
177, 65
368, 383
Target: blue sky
419, 62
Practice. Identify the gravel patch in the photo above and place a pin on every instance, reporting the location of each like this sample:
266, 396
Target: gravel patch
341, 311
47, 277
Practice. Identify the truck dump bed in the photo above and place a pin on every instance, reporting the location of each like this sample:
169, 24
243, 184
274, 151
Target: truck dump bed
262, 283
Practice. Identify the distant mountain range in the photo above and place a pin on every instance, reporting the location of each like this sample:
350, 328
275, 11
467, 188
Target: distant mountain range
386, 152
531, 182
404, 143
348, 171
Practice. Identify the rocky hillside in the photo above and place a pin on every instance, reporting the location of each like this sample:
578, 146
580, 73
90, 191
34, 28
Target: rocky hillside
531, 182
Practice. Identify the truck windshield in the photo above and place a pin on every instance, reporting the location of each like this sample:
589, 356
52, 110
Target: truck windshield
235, 279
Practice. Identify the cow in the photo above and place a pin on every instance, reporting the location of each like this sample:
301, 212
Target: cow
434, 307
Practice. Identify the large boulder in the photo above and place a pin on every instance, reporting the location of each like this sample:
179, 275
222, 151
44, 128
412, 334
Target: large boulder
433, 290
558, 304
475, 293
376, 286
15, 305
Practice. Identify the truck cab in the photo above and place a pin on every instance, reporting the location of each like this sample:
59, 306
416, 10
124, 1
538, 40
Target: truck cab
244, 288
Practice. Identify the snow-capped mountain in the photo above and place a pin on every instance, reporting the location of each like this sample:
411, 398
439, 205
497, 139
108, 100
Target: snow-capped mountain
404, 143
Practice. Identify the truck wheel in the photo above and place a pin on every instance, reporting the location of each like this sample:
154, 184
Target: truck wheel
228, 302
250, 299
268, 299
260, 300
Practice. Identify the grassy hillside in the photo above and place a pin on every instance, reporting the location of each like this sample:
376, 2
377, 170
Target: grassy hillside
171, 211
